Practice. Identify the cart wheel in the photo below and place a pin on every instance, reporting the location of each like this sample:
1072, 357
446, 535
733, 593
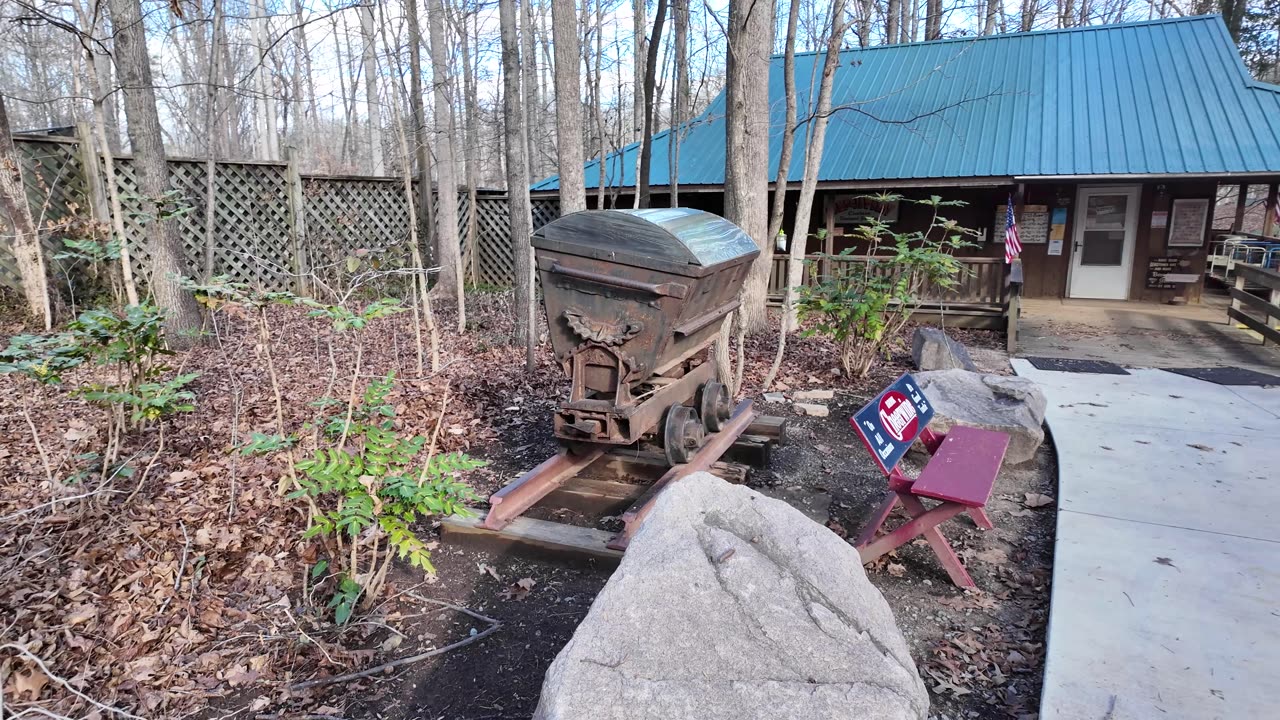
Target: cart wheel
713, 404
682, 434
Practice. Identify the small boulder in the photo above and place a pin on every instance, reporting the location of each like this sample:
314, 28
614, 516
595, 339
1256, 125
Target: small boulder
1011, 405
814, 394
931, 349
811, 409
775, 397
733, 606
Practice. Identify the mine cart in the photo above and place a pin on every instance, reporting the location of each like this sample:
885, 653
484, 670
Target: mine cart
632, 298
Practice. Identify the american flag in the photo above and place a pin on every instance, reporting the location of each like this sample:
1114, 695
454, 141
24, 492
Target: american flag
1012, 243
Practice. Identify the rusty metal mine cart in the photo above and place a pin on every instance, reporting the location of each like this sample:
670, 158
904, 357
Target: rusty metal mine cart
634, 298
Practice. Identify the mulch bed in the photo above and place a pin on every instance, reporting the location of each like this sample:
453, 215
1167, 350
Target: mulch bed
186, 601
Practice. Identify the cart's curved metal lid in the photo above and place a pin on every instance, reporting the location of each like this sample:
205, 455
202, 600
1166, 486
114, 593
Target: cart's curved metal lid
649, 238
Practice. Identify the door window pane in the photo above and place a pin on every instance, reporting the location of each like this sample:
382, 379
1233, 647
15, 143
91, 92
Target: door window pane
1106, 212
1103, 247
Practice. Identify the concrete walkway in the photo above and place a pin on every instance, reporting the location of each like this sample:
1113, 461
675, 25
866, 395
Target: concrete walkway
1166, 580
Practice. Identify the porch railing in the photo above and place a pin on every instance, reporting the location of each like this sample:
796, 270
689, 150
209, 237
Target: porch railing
981, 282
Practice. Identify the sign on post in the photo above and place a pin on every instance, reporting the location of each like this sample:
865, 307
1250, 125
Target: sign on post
890, 423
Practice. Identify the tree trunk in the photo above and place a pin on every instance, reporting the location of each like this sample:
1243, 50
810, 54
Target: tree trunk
517, 185
532, 101
789, 125
650, 77
26, 239
640, 52
989, 22
933, 19
449, 280
268, 135
470, 144
164, 243
680, 101
816, 136
421, 148
303, 63
892, 16
569, 161
746, 181
210, 146
371, 101
598, 105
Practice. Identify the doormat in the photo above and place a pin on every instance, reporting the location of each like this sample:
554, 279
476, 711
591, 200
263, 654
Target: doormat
1228, 376
1098, 367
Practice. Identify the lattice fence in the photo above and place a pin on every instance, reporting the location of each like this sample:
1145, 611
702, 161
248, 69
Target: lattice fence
256, 223
54, 184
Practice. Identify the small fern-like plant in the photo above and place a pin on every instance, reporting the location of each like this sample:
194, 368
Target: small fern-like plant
368, 494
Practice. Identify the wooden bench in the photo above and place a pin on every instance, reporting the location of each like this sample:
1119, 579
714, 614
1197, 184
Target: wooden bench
960, 473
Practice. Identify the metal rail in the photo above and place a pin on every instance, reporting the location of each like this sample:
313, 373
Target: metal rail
715, 446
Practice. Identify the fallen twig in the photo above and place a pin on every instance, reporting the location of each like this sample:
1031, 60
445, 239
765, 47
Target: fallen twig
55, 501
392, 665
63, 683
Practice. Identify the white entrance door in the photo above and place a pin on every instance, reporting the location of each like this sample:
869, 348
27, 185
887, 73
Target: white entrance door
1105, 231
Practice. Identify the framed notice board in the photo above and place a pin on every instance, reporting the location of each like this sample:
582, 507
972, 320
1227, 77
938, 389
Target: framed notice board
1033, 226
1187, 222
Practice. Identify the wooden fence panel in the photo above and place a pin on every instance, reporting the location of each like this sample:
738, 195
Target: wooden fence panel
54, 184
254, 224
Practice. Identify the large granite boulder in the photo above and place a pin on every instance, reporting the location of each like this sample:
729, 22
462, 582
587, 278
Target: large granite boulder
732, 606
932, 349
1009, 404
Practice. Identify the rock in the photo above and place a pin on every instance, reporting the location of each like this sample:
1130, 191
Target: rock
732, 606
931, 349
775, 397
811, 409
1020, 389
1011, 405
814, 394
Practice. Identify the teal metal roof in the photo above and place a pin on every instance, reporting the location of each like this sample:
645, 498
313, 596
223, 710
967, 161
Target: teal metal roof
1161, 98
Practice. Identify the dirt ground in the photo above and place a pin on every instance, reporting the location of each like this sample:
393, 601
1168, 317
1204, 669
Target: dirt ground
194, 585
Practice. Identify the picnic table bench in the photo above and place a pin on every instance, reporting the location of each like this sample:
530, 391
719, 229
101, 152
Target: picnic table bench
960, 473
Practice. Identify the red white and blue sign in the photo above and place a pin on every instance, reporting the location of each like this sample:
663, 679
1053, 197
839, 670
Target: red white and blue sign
892, 421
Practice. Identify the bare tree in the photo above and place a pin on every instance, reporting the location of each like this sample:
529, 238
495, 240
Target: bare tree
789, 123
211, 146
639, 53
450, 280
164, 243
650, 75
265, 97
532, 100
417, 108
680, 96
372, 104
564, 31
597, 80
746, 176
26, 238
517, 184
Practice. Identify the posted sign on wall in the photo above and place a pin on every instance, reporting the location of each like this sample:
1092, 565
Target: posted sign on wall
890, 423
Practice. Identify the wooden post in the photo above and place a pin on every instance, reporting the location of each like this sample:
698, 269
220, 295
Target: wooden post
1013, 309
1274, 320
91, 166
1242, 199
297, 219
829, 244
1271, 224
